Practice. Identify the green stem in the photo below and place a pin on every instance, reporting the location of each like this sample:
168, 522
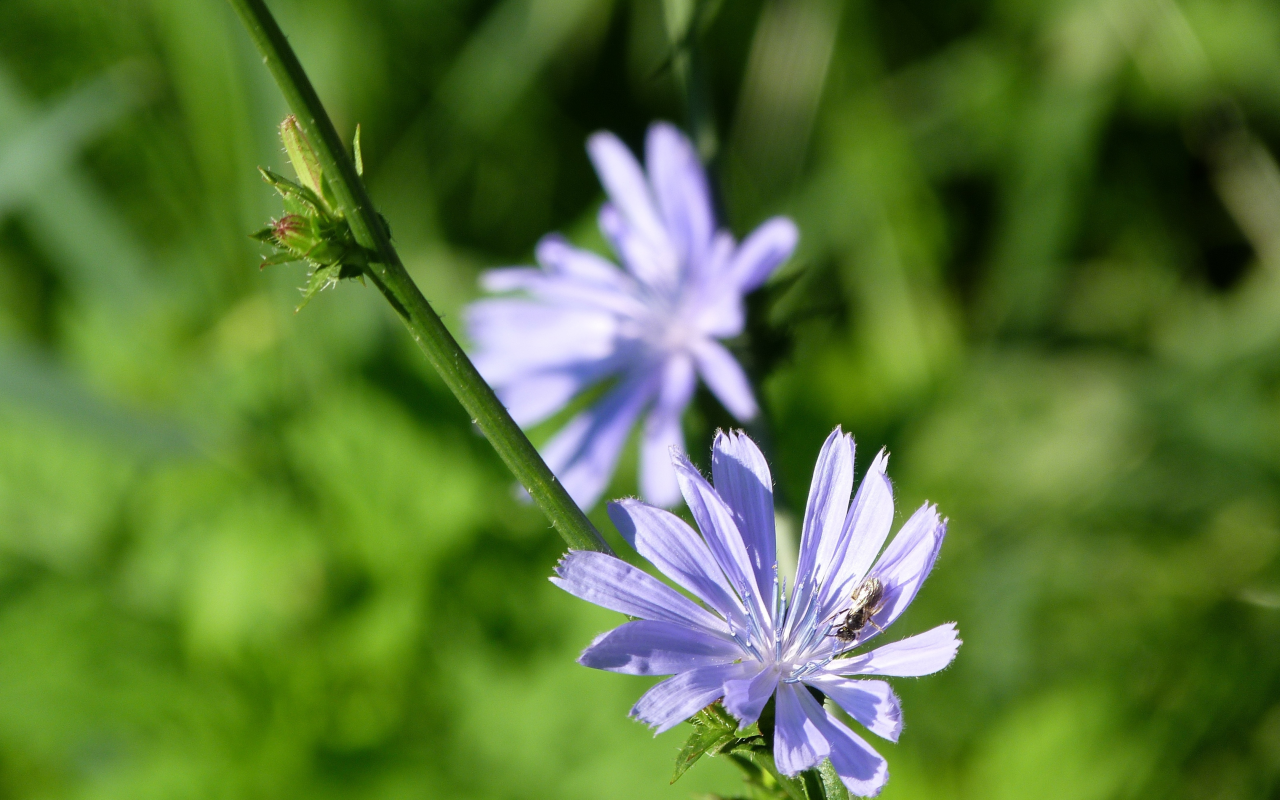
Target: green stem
683, 18
702, 123
389, 274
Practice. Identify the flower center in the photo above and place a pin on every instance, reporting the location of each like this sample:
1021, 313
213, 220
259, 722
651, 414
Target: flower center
670, 326
676, 334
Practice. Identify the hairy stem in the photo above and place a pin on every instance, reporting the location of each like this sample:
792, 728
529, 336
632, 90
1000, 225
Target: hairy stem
389, 274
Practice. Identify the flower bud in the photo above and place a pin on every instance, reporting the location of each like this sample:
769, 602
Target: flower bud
302, 155
294, 232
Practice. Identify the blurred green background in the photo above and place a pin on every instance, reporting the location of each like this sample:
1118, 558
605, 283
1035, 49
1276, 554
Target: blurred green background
248, 553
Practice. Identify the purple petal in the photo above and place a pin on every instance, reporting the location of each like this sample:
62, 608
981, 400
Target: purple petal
533, 398
663, 431
798, 743
509, 279
630, 220
649, 647
862, 770
872, 703
906, 562
859, 767
725, 378
653, 263
680, 185
870, 518
563, 259
677, 550
676, 699
718, 310
584, 453
828, 502
762, 252
614, 584
865, 528
625, 182
715, 520
527, 325
823, 519
922, 654
746, 698
742, 479
569, 292
516, 337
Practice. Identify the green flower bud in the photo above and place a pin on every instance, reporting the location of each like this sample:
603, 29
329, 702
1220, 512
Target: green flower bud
302, 155
312, 229
295, 233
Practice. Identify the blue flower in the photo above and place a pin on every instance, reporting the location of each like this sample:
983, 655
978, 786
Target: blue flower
651, 329
746, 640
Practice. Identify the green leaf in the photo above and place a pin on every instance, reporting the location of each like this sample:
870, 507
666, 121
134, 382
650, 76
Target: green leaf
711, 731
716, 732
281, 257
322, 278
832, 786
715, 714
811, 781
292, 192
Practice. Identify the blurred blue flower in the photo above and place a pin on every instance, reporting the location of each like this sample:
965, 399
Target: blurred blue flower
652, 328
748, 641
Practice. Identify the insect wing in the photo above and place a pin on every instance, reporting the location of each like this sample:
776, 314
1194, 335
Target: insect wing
867, 594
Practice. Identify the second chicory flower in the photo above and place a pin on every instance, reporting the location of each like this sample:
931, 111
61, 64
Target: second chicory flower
652, 328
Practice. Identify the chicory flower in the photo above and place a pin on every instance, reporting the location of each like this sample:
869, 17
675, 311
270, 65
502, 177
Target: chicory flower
743, 639
652, 329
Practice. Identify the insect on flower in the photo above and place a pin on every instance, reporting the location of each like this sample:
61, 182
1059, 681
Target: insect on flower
866, 602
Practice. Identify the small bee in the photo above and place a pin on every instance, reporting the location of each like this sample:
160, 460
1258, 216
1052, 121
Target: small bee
867, 600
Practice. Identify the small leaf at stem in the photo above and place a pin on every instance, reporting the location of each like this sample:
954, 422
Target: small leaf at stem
282, 257
723, 718
292, 192
320, 279
710, 732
